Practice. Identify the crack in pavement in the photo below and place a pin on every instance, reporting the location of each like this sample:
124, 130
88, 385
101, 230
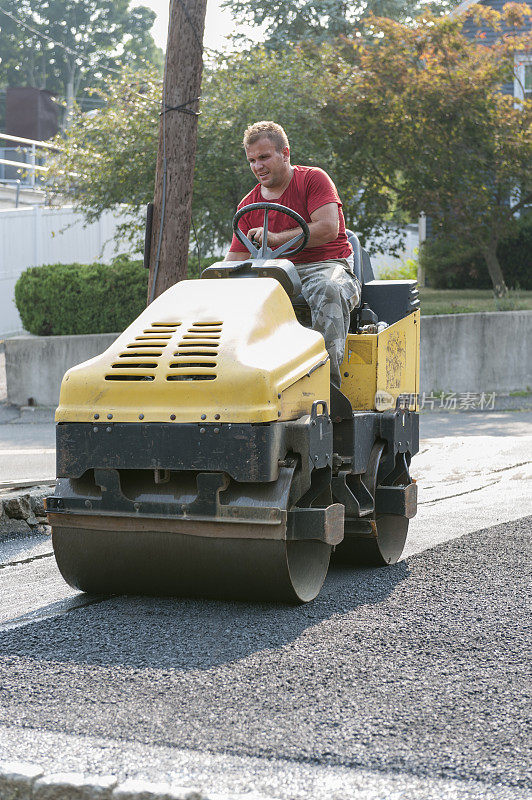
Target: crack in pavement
458, 494
503, 469
470, 491
25, 560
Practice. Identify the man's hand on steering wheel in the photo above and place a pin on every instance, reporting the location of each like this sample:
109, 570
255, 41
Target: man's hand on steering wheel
274, 239
286, 243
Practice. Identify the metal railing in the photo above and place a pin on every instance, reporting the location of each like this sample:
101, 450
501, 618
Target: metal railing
24, 167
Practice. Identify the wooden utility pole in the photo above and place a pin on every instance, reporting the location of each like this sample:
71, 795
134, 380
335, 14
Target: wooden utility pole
177, 145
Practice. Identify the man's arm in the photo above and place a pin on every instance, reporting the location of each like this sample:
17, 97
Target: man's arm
231, 256
323, 227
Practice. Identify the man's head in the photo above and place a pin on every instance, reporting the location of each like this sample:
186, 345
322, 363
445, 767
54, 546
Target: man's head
268, 152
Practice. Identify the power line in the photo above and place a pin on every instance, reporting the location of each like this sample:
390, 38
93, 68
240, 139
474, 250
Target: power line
53, 41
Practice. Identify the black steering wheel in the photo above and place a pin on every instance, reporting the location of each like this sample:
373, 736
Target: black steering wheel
264, 251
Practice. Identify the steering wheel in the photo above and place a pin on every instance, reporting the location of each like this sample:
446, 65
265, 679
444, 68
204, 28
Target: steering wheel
264, 251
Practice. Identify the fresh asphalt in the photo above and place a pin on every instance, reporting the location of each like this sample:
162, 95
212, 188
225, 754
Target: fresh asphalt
412, 678
409, 682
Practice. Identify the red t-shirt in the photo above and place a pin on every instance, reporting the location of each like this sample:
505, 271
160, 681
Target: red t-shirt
309, 188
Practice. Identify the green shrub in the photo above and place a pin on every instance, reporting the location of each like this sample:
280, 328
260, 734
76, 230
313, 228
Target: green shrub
407, 270
81, 298
65, 299
450, 265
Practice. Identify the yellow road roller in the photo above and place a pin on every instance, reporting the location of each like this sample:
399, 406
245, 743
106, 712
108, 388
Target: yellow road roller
206, 454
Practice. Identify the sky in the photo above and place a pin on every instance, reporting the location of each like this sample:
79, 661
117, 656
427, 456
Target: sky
218, 23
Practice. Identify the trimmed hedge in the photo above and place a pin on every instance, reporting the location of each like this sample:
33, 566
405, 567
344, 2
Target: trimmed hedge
448, 265
66, 299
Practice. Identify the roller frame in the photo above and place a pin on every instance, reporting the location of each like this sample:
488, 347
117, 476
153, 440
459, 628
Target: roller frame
300, 479
246, 452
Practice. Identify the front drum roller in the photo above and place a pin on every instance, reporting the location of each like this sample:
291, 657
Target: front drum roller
127, 554
379, 539
99, 560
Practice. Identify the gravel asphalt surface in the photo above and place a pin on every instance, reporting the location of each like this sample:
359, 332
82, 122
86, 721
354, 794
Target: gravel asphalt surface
416, 673
409, 683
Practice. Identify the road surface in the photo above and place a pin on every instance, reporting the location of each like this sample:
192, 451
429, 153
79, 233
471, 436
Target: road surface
406, 682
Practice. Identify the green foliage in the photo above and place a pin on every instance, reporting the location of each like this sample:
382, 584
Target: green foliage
65, 299
421, 112
195, 267
409, 119
407, 270
107, 33
108, 158
448, 264
289, 22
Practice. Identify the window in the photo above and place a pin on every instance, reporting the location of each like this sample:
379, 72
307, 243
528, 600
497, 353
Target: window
523, 76
527, 83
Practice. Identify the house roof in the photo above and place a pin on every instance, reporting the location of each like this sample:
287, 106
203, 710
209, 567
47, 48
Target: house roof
456, 12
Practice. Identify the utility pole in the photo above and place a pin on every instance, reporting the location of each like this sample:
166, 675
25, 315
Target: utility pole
177, 145
422, 231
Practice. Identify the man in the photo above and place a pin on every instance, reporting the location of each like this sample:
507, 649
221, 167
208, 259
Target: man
325, 265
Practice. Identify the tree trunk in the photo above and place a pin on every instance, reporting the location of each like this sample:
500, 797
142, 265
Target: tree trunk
177, 147
489, 251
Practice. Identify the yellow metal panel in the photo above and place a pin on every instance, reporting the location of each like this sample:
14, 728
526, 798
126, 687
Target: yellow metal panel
398, 362
377, 368
359, 370
213, 350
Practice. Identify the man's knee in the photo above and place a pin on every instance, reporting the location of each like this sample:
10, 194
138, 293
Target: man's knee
323, 292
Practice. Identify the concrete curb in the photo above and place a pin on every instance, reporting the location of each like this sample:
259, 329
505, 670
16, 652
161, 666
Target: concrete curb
24, 781
26, 414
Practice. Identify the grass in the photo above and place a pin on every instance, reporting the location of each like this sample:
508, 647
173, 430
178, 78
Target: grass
464, 301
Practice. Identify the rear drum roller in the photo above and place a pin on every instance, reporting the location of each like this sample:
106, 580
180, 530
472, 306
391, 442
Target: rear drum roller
379, 539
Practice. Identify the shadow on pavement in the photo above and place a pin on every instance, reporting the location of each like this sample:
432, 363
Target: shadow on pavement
189, 634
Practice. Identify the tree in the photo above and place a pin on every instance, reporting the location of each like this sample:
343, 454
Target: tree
92, 35
288, 22
109, 158
422, 113
176, 155
411, 120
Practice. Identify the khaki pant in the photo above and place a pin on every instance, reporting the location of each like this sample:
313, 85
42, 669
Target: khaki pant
331, 291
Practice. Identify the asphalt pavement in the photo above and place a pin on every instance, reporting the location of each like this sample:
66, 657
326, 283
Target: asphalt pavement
411, 682
405, 683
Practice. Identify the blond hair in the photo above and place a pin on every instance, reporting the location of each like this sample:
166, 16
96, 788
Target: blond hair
266, 129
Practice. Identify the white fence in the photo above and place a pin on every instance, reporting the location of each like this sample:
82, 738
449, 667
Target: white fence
31, 237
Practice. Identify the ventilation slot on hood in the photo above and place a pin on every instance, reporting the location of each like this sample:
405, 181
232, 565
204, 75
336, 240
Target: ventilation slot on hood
145, 354
190, 377
119, 377
196, 353
149, 344
136, 365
